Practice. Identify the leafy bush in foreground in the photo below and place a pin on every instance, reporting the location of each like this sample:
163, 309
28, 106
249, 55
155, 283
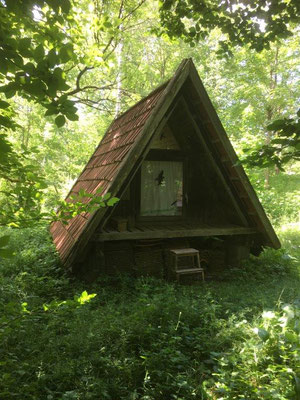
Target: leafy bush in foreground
266, 365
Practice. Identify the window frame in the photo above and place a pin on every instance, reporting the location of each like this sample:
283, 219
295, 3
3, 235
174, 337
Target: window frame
162, 155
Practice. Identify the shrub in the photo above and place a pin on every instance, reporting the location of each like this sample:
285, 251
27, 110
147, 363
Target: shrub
267, 364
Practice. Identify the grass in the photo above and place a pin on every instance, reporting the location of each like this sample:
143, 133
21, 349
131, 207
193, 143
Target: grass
264, 281
148, 339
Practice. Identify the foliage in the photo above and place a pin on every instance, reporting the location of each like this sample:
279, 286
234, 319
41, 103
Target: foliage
281, 199
256, 23
113, 42
83, 202
144, 338
283, 147
32, 65
270, 264
5, 252
266, 364
46, 60
23, 187
137, 339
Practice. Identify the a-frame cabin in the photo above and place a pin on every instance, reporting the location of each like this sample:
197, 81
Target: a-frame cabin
170, 162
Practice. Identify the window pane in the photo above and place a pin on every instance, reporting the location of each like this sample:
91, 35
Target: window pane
161, 188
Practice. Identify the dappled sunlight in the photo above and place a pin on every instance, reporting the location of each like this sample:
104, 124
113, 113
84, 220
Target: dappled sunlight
218, 339
292, 227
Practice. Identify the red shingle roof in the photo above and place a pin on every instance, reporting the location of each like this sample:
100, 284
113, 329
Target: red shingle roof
104, 166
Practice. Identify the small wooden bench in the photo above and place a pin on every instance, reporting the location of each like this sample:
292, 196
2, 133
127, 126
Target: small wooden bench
193, 255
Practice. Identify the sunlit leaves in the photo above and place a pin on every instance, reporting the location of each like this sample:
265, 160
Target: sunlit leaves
256, 24
32, 65
83, 202
71, 304
283, 147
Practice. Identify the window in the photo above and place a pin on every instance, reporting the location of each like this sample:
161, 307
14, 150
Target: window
161, 188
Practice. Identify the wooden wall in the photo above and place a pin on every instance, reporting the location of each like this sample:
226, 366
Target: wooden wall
206, 200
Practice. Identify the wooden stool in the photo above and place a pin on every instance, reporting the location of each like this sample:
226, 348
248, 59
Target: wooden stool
195, 268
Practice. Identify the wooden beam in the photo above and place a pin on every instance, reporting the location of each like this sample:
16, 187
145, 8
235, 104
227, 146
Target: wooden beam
163, 233
225, 160
214, 141
214, 164
217, 127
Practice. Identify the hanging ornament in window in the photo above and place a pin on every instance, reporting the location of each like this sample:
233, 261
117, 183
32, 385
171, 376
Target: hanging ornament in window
160, 178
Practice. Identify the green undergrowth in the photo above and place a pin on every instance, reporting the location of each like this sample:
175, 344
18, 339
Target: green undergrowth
125, 338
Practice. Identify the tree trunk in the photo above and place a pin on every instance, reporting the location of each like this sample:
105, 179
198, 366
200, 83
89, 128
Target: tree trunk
271, 110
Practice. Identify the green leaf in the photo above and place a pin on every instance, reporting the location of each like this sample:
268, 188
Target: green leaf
62, 85
3, 67
66, 53
36, 87
4, 240
12, 43
24, 47
5, 146
52, 89
4, 104
41, 185
72, 117
262, 333
60, 120
5, 121
10, 93
291, 337
65, 6
51, 111
25, 42
58, 72
52, 58
39, 53
112, 201
276, 125
280, 141
29, 68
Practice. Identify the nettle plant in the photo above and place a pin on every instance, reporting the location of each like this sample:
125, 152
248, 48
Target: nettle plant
267, 364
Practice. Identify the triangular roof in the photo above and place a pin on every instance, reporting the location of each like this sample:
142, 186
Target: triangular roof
123, 145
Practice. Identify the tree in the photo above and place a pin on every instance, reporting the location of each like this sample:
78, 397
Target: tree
256, 23
34, 50
283, 147
49, 56
251, 90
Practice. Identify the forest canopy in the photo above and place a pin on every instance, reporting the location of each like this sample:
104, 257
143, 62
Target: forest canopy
256, 23
65, 59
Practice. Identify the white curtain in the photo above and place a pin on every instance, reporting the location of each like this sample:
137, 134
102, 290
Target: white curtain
161, 188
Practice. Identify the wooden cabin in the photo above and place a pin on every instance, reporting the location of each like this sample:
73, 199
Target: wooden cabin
170, 162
